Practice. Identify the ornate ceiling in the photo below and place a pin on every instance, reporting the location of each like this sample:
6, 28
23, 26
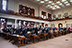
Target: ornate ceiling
54, 4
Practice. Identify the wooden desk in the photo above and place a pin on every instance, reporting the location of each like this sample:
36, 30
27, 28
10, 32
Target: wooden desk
45, 36
7, 36
60, 33
56, 34
35, 38
67, 31
21, 41
41, 36
51, 35
4, 35
63, 32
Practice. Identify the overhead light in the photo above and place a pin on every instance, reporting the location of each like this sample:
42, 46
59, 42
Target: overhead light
63, 0
48, 5
46, 0
38, 0
41, 1
58, 2
51, 6
57, 7
50, 1
62, 5
70, 0
53, 3
67, 4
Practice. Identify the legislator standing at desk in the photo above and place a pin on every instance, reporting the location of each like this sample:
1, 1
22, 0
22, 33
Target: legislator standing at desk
46, 31
59, 31
24, 31
19, 30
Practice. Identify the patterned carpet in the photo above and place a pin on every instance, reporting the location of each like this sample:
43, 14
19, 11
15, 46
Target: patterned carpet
64, 41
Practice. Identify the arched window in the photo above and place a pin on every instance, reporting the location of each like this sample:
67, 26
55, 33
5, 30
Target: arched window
60, 25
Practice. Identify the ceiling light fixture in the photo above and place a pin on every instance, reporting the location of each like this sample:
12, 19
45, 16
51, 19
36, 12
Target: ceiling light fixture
53, 8
63, 0
58, 2
41, 1
53, 3
48, 5
66, 2
50, 1
57, 7
62, 5
70, 0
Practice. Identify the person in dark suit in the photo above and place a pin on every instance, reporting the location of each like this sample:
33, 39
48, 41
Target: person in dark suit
14, 30
19, 30
42, 28
54, 29
46, 30
4, 30
29, 28
59, 29
64, 29
36, 30
23, 27
9, 30
24, 32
